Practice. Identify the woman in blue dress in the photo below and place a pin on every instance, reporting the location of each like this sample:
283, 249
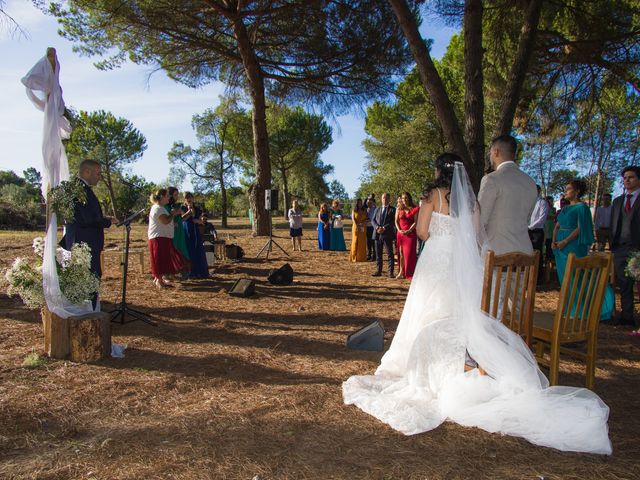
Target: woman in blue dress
336, 232
573, 233
191, 220
324, 232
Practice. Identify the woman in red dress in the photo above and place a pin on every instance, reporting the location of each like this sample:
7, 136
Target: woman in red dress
163, 256
406, 218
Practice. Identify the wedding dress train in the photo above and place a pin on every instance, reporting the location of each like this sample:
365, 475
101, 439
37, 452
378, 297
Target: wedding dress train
421, 382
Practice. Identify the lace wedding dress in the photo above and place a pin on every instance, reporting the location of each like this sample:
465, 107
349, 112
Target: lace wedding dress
421, 382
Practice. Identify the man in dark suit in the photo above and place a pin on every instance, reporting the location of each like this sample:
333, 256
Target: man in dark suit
384, 232
625, 238
88, 222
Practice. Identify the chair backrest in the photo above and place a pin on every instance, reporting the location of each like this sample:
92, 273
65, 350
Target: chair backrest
509, 290
581, 296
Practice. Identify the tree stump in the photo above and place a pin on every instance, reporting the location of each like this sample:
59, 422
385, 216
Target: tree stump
56, 334
82, 338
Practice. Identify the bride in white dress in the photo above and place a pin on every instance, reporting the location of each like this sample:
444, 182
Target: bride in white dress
421, 380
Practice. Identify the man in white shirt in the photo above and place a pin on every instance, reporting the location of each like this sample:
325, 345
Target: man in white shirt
602, 221
294, 215
536, 228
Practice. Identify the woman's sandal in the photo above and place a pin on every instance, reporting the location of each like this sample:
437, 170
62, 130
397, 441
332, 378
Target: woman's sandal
159, 284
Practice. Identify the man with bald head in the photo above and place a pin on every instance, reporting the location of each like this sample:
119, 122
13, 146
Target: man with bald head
88, 222
507, 197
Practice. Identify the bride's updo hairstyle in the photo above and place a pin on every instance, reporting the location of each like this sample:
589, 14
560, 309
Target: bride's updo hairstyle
445, 165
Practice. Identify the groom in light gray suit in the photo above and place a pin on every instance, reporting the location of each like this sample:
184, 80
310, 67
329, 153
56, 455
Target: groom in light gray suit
507, 197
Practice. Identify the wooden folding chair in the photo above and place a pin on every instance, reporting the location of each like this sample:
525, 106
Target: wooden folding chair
576, 317
612, 280
509, 290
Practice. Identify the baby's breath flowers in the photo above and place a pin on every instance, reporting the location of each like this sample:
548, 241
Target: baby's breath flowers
633, 266
63, 198
77, 282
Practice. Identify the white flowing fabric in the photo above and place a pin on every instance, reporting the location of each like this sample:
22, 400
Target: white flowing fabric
43, 89
421, 382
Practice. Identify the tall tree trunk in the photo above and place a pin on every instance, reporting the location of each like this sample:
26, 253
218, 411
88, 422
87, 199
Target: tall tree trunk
519, 69
540, 166
285, 192
259, 123
473, 82
598, 194
432, 83
224, 201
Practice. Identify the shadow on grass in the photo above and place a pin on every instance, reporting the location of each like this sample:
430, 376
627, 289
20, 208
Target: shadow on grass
220, 366
13, 308
281, 331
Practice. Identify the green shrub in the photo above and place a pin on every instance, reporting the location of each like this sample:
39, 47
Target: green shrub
34, 360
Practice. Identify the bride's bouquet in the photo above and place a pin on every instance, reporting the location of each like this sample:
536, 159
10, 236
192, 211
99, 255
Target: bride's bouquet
77, 282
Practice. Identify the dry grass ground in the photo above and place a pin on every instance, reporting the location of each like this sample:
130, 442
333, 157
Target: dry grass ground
233, 388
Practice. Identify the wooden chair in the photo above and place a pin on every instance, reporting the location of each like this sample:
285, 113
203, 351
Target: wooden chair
217, 247
612, 279
576, 317
509, 290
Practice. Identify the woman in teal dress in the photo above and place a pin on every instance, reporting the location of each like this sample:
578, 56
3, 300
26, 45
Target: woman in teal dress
573, 233
336, 233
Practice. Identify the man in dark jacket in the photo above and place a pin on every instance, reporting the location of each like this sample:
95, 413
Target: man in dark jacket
384, 232
625, 238
88, 222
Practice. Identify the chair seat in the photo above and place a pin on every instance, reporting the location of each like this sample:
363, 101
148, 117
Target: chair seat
543, 329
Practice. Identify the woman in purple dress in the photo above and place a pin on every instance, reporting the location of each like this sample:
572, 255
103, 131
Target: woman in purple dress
191, 220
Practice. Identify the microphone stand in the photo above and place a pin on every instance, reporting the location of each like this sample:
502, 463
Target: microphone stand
123, 309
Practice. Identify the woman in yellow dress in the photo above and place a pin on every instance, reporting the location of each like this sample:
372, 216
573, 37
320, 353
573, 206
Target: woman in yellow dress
359, 233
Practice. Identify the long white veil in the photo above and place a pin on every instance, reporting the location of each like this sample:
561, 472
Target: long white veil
500, 351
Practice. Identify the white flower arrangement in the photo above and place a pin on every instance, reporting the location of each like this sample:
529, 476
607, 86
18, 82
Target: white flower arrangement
65, 196
633, 266
77, 282
25, 280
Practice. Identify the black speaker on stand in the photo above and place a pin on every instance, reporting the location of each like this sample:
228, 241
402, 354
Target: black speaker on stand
270, 204
271, 199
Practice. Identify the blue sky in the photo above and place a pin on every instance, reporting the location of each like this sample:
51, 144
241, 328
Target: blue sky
157, 106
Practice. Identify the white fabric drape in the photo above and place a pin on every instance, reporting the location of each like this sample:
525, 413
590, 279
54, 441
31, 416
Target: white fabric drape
43, 89
421, 382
